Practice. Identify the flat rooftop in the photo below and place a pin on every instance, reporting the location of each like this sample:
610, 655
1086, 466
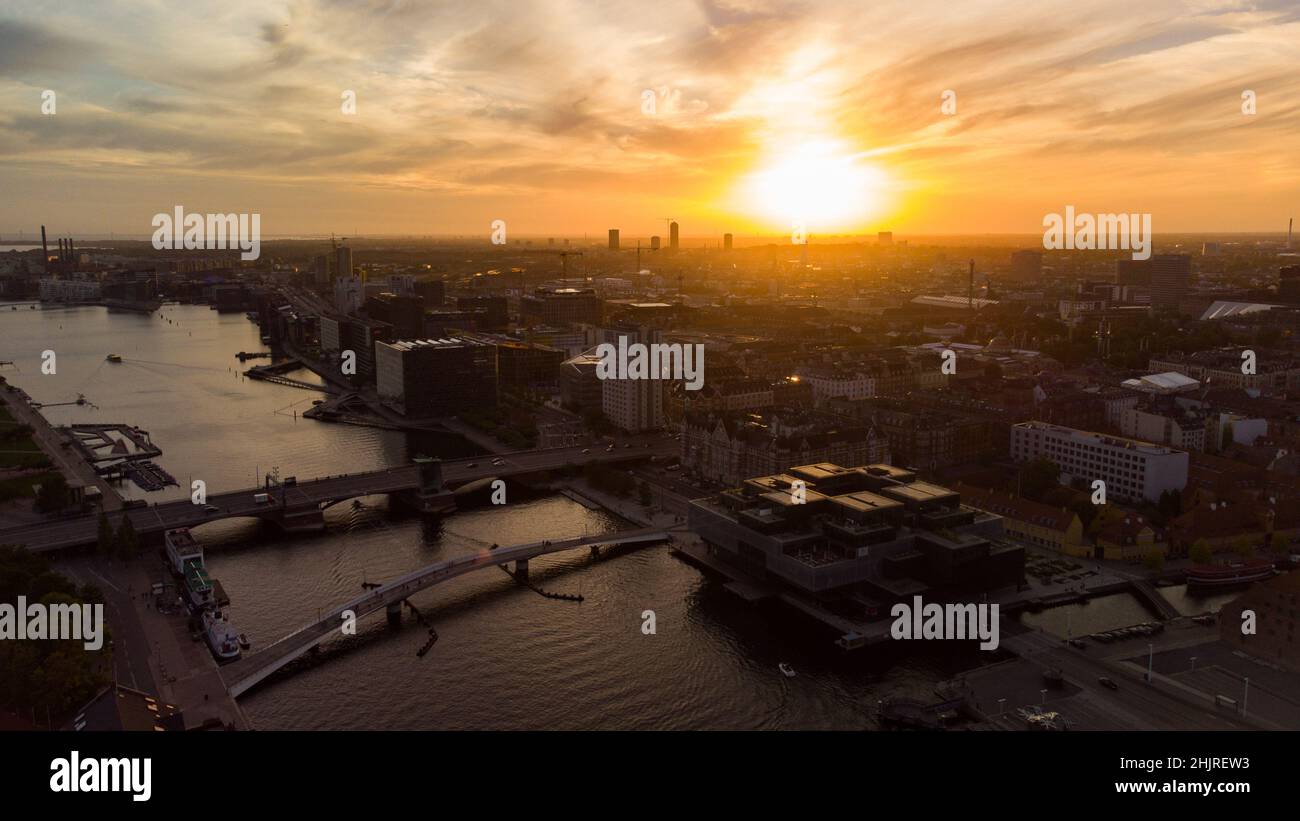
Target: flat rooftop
785, 498
919, 492
866, 501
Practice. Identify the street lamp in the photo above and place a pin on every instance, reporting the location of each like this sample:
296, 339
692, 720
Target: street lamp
1001, 702
1193, 664
1245, 696
1151, 653
1044, 694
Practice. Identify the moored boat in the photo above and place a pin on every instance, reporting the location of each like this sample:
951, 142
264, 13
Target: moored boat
221, 635
1226, 575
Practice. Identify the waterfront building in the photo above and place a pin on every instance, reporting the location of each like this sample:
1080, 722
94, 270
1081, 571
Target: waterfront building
728, 447
876, 531
436, 377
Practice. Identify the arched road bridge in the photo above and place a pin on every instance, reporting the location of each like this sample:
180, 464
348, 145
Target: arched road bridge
242, 675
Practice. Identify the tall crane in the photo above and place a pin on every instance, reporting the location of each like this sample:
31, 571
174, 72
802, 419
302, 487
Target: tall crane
563, 255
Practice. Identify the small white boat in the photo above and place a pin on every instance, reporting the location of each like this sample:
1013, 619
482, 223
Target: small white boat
220, 635
786, 670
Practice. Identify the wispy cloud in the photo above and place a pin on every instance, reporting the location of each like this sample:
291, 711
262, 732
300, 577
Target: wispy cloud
468, 111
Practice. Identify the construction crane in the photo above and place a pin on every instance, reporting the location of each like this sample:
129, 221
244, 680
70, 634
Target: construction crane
563, 255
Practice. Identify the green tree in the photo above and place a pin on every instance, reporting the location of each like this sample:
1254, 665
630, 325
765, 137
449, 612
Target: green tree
107, 539
128, 542
1200, 552
1243, 546
1170, 504
1037, 477
1279, 543
1154, 559
41, 676
52, 495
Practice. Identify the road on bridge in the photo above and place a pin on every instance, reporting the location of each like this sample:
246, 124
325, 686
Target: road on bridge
57, 534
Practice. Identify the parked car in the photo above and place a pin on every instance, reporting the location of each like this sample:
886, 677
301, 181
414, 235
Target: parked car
1106, 681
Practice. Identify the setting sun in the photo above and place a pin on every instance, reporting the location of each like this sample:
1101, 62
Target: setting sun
819, 185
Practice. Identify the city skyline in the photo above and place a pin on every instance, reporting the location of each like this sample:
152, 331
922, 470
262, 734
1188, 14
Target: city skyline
762, 114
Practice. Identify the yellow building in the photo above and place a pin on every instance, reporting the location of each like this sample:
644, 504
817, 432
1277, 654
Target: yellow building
1129, 537
1030, 522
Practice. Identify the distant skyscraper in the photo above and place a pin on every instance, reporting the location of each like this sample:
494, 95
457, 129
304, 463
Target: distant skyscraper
885, 238
1170, 278
726, 242
654, 243
321, 269
613, 239
348, 294
1026, 266
342, 262
672, 236
1133, 272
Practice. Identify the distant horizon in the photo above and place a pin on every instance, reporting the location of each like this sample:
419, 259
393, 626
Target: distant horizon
7, 239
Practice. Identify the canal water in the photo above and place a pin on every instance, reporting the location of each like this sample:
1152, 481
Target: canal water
506, 657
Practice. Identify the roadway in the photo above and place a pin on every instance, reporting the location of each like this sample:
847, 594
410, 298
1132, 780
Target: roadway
242, 675
56, 534
1134, 705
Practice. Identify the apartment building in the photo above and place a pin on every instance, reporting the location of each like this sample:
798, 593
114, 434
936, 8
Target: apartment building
1132, 470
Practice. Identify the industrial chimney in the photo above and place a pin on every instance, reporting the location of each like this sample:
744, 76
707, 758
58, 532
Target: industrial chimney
45, 252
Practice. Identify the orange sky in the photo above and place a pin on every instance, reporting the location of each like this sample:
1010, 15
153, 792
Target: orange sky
765, 113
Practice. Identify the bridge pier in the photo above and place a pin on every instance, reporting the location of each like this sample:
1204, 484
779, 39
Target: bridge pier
521, 570
430, 496
394, 612
300, 520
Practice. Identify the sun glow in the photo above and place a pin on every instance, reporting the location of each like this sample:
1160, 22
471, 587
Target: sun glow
817, 185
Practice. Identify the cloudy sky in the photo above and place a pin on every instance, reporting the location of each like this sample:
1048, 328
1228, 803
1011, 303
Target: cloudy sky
764, 112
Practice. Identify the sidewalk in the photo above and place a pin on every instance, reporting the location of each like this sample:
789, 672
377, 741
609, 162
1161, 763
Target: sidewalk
629, 508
